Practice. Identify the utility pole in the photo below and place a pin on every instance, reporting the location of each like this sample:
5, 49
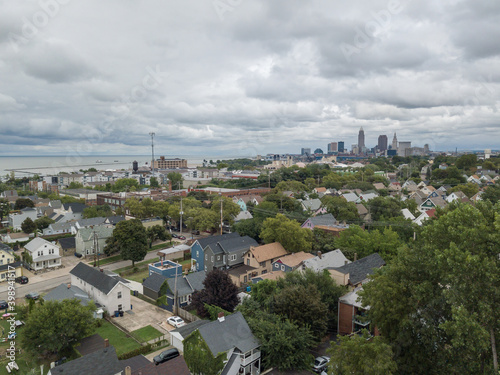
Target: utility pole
96, 248
181, 213
152, 134
220, 197
269, 175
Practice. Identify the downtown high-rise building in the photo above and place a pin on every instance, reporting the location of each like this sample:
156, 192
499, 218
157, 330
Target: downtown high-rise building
305, 151
341, 147
361, 140
394, 145
382, 143
332, 147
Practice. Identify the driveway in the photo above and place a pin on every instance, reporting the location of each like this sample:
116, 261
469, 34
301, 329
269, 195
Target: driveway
142, 315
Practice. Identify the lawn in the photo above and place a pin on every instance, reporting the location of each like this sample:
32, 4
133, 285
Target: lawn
138, 276
145, 334
121, 341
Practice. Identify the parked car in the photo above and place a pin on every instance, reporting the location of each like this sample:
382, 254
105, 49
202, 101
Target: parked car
22, 280
32, 295
320, 363
166, 356
3, 305
181, 237
196, 232
174, 235
176, 321
78, 255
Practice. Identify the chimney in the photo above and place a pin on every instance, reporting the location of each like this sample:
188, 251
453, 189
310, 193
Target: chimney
355, 256
220, 317
319, 255
346, 262
69, 286
128, 370
106, 343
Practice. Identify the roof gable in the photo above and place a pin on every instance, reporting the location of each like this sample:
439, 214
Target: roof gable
94, 277
268, 252
360, 269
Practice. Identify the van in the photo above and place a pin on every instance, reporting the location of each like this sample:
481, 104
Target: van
166, 356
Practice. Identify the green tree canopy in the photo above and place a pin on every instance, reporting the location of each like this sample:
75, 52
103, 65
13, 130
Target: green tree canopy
176, 180
4, 208
28, 225
130, 239
340, 208
287, 232
97, 211
23, 203
43, 222
157, 232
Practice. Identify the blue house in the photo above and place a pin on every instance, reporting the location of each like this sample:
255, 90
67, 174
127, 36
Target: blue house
198, 248
166, 268
240, 202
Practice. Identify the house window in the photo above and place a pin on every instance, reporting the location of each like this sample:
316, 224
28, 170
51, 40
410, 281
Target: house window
276, 265
119, 294
206, 256
232, 257
119, 307
244, 279
197, 253
212, 258
283, 267
262, 264
3, 275
218, 257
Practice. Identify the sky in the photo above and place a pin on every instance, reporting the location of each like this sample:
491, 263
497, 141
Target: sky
246, 77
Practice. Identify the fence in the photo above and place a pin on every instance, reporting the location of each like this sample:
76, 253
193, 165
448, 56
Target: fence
186, 315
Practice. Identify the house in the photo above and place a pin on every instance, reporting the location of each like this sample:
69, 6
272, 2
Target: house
350, 197
230, 338
273, 275
367, 196
198, 248
291, 262
8, 263
418, 196
395, 186
67, 245
352, 316
431, 203
88, 223
243, 215
407, 214
58, 228
424, 216
113, 220
379, 186
69, 291
166, 268
457, 195
112, 293
152, 285
16, 237
174, 252
355, 273
227, 253
311, 204
321, 262
44, 254
178, 335
262, 257
476, 197
16, 219
326, 220
85, 238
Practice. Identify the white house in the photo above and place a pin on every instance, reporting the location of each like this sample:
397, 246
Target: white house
43, 253
16, 219
111, 292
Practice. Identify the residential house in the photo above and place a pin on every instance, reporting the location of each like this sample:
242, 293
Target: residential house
198, 249
367, 196
230, 337
424, 216
88, 223
350, 197
71, 211
352, 316
409, 185
67, 245
457, 195
363, 212
474, 179
273, 275
262, 257
152, 285
8, 263
322, 261
16, 237
291, 262
174, 252
418, 196
44, 254
312, 205
84, 239
407, 214
16, 219
394, 187
227, 253
70, 291
326, 219
112, 293
58, 228
431, 203
178, 335
166, 268
476, 197
113, 220
355, 273
379, 186
243, 215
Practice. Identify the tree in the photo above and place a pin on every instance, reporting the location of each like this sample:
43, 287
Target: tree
56, 325
249, 227
157, 232
175, 179
125, 184
97, 211
4, 208
130, 239
468, 189
23, 203
340, 208
219, 291
28, 226
43, 222
75, 185
287, 232
229, 209
492, 194
361, 354
153, 182
199, 357
466, 161
264, 210
382, 208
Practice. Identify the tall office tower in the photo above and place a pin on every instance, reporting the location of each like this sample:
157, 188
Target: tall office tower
382, 143
403, 146
304, 151
361, 140
332, 147
395, 142
341, 146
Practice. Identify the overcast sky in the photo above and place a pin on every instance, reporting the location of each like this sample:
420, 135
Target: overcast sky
246, 77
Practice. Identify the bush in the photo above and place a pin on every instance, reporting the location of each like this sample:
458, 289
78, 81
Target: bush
142, 350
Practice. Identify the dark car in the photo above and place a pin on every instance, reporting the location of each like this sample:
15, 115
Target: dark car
181, 237
78, 255
166, 356
3, 305
22, 280
32, 295
196, 232
174, 235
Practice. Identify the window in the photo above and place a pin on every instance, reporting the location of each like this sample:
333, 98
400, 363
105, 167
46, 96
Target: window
119, 307
218, 257
282, 267
206, 256
276, 265
212, 258
197, 253
262, 264
232, 257
244, 279
119, 294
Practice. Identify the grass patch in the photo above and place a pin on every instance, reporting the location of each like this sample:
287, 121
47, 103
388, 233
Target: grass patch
122, 342
145, 334
139, 275
139, 265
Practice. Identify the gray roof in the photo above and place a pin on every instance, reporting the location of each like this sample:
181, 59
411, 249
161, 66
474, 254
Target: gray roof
10, 266
195, 280
233, 332
154, 282
115, 219
67, 243
333, 258
186, 330
60, 226
36, 243
5, 247
312, 204
102, 362
183, 288
87, 234
91, 221
55, 204
94, 277
238, 243
350, 197
360, 269
62, 292
327, 219
75, 207
204, 242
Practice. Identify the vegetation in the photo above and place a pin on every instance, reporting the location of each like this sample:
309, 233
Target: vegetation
129, 239
28, 225
287, 232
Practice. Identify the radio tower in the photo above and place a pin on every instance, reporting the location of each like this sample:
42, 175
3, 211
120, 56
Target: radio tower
152, 134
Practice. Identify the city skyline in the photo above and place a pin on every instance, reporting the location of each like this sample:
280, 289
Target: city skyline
246, 78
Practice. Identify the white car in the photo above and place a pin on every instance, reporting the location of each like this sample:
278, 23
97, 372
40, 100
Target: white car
176, 321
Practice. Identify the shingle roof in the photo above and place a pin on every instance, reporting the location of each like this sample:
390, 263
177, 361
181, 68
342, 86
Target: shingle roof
183, 288
36, 243
88, 233
5, 247
204, 242
102, 362
333, 258
154, 282
62, 292
326, 219
269, 251
75, 207
115, 219
195, 280
273, 275
67, 243
94, 277
233, 332
293, 260
237, 243
312, 204
186, 330
360, 269
9, 266
91, 221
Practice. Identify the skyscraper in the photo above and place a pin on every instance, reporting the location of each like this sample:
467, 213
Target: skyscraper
395, 142
304, 151
332, 147
382, 143
341, 146
361, 140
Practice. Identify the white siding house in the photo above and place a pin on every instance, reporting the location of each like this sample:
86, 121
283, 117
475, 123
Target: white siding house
45, 254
